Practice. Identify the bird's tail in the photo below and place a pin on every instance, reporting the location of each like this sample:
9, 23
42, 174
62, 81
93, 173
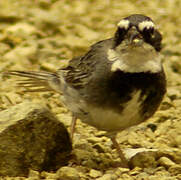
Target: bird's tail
35, 81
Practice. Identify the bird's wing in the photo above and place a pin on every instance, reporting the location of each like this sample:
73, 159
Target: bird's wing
80, 70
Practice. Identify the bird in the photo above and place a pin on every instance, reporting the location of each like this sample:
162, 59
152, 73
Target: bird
118, 83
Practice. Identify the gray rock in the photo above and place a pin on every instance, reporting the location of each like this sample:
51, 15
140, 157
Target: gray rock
31, 138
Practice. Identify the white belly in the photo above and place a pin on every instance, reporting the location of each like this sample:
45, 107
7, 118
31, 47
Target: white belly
108, 120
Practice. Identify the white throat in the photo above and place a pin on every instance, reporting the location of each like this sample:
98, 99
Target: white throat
135, 60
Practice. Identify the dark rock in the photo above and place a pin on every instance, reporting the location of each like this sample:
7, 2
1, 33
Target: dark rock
31, 138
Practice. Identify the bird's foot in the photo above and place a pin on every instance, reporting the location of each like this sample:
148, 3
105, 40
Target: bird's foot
72, 127
124, 162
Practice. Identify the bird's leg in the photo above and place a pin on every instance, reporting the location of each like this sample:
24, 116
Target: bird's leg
124, 161
72, 127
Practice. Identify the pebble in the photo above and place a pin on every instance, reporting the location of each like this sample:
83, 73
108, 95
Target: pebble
100, 148
125, 177
94, 173
166, 162
173, 93
68, 173
135, 171
47, 175
33, 175
21, 29
108, 177
94, 140
143, 160
175, 169
120, 171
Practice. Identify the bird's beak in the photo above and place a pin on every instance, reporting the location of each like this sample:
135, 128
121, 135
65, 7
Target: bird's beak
135, 38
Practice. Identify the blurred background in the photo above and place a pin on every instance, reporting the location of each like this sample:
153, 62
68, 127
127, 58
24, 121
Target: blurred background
45, 34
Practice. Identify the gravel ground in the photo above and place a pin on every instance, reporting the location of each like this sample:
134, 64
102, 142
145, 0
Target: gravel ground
44, 34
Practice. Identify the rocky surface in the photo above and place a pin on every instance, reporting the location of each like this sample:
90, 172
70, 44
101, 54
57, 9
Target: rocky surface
44, 34
31, 138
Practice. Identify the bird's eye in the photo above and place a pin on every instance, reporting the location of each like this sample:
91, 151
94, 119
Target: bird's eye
119, 35
122, 31
149, 31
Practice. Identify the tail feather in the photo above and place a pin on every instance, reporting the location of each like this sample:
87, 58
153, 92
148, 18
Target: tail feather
37, 81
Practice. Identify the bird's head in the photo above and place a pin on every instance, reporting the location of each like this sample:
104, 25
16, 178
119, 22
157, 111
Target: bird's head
137, 43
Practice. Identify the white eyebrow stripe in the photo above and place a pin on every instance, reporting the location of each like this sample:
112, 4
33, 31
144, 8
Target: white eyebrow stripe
123, 24
146, 24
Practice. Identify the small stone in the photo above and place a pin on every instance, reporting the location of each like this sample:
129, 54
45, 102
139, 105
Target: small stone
94, 173
108, 177
68, 173
173, 93
100, 134
99, 147
160, 168
125, 177
177, 139
65, 119
175, 169
120, 171
177, 103
178, 177
94, 140
21, 29
142, 157
152, 126
135, 171
47, 175
33, 175
81, 143
20, 53
130, 153
166, 103
142, 176
149, 170
166, 162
